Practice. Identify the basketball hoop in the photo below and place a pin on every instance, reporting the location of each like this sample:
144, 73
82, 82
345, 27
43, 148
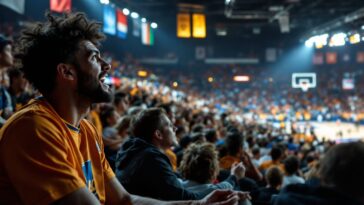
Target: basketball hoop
304, 81
304, 86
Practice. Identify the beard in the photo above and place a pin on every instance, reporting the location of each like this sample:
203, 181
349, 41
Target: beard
90, 88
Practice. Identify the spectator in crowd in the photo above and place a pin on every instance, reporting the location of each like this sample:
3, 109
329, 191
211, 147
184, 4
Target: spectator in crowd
94, 117
183, 144
142, 167
48, 152
200, 167
109, 118
170, 154
110, 136
236, 154
211, 136
256, 156
274, 178
198, 128
276, 154
291, 166
122, 127
121, 102
198, 137
6, 61
341, 172
17, 90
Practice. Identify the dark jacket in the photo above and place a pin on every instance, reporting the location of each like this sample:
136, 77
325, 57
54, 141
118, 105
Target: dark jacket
144, 170
302, 194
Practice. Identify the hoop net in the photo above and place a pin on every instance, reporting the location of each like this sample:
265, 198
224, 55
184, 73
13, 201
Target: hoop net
304, 86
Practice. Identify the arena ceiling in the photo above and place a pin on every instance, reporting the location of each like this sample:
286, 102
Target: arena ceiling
249, 18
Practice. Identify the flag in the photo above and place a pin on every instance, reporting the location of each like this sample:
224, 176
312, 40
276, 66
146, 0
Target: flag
15, 5
348, 84
183, 25
60, 5
270, 54
331, 58
109, 20
360, 57
122, 25
199, 26
147, 34
136, 27
200, 53
318, 59
346, 57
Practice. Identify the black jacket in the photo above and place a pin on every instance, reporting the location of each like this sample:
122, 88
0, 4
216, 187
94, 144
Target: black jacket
144, 170
302, 194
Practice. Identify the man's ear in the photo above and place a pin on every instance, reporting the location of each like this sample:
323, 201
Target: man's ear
158, 134
66, 71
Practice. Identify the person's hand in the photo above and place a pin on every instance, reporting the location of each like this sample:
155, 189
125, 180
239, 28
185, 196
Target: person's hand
243, 195
238, 170
221, 197
246, 158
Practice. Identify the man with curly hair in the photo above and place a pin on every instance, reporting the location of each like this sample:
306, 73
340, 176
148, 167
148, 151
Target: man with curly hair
48, 152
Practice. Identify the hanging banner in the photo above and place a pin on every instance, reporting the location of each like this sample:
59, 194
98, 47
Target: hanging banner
318, 59
109, 20
270, 54
348, 84
15, 5
346, 57
331, 58
360, 57
136, 27
183, 25
147, 34
122, 25
199, 26
200, 53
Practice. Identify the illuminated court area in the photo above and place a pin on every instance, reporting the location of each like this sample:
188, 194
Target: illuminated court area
340, 132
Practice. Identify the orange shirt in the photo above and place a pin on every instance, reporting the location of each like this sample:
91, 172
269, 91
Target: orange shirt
172, 158
43, 158
227, 161
266, 165
95, 119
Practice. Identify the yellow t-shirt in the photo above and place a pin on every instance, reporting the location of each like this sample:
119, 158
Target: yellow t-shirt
268, 164
42, 158
172, 158
95, 120
227, 161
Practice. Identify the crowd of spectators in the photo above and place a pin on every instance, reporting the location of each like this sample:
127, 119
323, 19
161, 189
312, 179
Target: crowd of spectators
212, 141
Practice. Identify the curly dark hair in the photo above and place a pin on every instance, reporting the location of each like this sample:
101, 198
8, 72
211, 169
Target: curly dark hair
200, 163
43, 46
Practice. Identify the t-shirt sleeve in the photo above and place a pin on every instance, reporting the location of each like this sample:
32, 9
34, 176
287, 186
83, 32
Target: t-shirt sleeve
35, 158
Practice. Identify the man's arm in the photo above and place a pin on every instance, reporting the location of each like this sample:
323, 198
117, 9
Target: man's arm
116, 194
80, 196
217, 197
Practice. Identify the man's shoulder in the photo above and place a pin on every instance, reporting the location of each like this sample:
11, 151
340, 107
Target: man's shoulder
31, 119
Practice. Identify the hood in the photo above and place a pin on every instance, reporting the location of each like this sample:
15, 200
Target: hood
302, 194
132, 147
